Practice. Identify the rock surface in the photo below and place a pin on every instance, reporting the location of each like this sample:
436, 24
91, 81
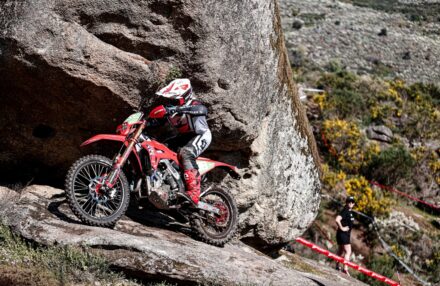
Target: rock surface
380, 133
69, 70
163, 251
363, 39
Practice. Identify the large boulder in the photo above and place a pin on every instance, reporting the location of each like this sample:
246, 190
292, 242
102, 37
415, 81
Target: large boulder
71, 69
160, 251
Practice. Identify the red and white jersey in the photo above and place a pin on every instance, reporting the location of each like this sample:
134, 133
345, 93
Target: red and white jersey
191, 118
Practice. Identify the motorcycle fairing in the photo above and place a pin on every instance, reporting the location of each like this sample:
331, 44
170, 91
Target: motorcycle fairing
158, 151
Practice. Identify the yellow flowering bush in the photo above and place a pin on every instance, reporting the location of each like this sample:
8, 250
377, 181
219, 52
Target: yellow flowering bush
418, 153
434, 165
367, 200
375, 111
321, 100
422, 110
388, 102
347, 141
397, 250
330, 178
392, 92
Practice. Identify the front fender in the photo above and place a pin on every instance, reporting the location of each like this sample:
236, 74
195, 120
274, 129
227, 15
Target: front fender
112, 137
99, 137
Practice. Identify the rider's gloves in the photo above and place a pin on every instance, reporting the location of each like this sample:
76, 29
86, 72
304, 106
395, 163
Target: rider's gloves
171, 110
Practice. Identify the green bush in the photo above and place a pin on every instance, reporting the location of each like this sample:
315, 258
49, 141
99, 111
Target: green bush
337, 79
347, 103
390, 165
344, 97
432, 265
430, 92
173, 73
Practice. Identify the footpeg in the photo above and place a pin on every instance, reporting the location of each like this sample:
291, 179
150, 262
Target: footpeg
185, 196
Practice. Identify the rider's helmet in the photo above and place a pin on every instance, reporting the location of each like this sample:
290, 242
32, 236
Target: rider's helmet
179, 90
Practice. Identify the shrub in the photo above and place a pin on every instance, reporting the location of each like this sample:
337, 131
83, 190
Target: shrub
390, 165
347, 103
346, 139
173, 74
330, 178
337, 79
420, 104
380, 69
347, 97
434, 165
427, 163
432, 265
430, 91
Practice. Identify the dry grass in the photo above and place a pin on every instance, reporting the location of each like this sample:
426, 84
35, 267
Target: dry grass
22, 263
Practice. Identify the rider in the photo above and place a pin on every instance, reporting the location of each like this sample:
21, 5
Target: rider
189, 118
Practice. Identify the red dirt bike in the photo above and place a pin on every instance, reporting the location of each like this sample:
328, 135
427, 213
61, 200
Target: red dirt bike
98, 191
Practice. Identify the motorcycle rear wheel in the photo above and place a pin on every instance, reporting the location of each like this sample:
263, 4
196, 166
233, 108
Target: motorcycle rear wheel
217, 229
89, 206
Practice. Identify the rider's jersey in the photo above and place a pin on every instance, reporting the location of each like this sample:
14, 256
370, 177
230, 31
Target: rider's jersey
190, 118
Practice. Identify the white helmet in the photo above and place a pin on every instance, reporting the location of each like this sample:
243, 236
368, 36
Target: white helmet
178, 89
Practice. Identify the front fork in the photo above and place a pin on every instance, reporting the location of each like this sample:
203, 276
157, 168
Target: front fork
121, 159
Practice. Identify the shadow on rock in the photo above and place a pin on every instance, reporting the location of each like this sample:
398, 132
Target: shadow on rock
141, 214
59, 208
145, 214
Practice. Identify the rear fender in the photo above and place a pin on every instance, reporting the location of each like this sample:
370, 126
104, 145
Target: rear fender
206, 165
113, 137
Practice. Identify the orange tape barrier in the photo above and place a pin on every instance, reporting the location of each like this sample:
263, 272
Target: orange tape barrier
348, 263
391, 189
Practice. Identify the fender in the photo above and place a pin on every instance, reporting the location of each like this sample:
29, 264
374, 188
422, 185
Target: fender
206, 165
111, 137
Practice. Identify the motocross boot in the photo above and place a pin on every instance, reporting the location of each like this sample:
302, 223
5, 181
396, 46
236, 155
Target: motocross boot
192, 182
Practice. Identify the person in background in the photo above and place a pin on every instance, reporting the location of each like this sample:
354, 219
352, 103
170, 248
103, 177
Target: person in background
345, 223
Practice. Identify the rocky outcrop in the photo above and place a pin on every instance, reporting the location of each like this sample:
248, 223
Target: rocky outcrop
69, 70
154, 247
380, 133
362, 39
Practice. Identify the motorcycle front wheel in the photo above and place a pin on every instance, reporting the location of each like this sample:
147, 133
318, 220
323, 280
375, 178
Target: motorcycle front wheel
212, 228
87, 200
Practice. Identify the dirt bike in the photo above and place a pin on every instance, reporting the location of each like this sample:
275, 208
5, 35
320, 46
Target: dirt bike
98, 189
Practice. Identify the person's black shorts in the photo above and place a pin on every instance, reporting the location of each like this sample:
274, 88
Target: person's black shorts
343, 237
